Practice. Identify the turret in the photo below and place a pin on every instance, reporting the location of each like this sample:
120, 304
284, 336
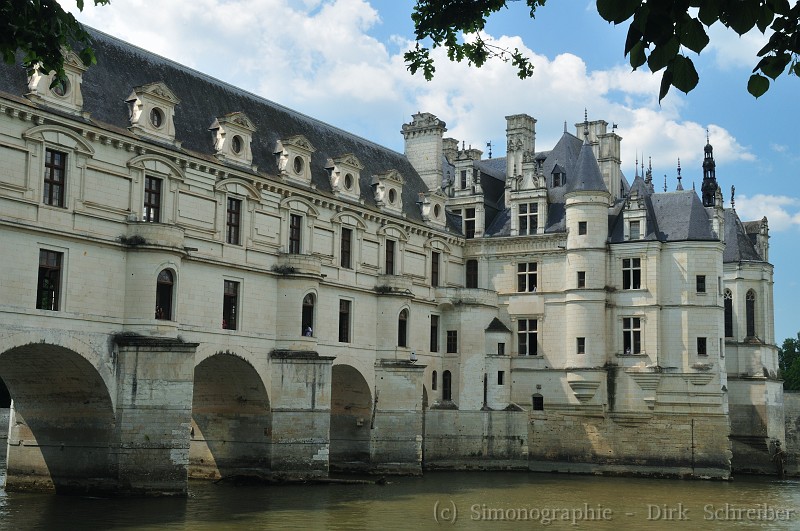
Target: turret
709, 187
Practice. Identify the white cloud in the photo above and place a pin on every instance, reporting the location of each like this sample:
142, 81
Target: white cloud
732, 51
783, 212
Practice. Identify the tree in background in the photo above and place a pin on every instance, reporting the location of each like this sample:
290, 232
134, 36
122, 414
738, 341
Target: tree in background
660, 34
40, 29
789, 363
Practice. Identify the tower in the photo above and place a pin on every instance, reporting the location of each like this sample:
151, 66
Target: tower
709, 186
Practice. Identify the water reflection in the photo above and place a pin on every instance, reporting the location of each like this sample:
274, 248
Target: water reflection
473, 500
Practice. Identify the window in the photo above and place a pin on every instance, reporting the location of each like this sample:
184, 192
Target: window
556, 179
632, 335
501, 349
346, 246
634, 231
434, 269
728, 299
230, 305
236, 144
631, 273
527, 337
446, 386
701, 283
538, 402
469, 223
750, 313
156, 117
234, 220
402, 329
48, 292
500, 377
390, 257
582, 228
295, 232
463, 179
433, 381
298, 165
580, 346
701, 347
434, 333
344, 321
528, 218
581, 279
164, 285
55, 168
472, 273
152, 199
307, 318
452, 341
526, 277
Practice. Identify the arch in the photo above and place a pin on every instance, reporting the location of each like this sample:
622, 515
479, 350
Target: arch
447, 386
750, 313
402, 328
61, 136
351, 413
239, 186
299, 204
728, 303
437, 244
350, 219
307, 315
231, 419
165, 294
63, 422
393, 231
141, 162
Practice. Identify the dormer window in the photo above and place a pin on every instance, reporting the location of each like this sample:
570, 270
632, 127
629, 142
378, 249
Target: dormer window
236, 144
232, 135
348, 181
61, 89
388, 188
298, 165
294, 158
157, 117
64, 95
431, 206
392, 196
151, 111
345, 174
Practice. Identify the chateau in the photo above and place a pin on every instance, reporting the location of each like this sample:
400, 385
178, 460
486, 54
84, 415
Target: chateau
198, 282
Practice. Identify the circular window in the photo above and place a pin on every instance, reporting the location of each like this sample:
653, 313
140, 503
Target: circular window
392, 196
236, 144
348, 181
436, 211
298, 165
156, 117
61, 88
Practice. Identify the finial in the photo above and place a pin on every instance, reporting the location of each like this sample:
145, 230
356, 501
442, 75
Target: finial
733, 201
665, 182
463, 145
680, 184
636, 165
489, 145
707, 140
693, 187
650, 164
585, 125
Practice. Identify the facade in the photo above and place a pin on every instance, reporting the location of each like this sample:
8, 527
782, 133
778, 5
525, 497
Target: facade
200, 282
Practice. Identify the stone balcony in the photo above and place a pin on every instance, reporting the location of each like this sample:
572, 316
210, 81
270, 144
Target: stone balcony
473, 296
142, 233
393, 284
302, 264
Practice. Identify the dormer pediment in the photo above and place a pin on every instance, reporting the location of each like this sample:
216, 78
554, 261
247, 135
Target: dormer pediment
293, 156
388, 187
232, 135
65, 95
151, 111
431, 206
345, 174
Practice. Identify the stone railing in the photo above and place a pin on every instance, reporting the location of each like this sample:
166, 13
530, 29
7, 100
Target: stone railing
302, 264
392, 284
142, 233
456, 296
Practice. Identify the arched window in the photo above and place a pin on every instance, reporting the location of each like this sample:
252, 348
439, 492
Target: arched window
750, 313
307, 320
402, 329
434, 377
164, 285
538, 402
728, 299
446, 383
472, 273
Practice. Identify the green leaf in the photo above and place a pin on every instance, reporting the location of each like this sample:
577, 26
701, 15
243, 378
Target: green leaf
757, 85
663, 54
666, 82
617, 11
637, 55
774, 65
765, 18
693, 35
743, 16
685, 76
709, 11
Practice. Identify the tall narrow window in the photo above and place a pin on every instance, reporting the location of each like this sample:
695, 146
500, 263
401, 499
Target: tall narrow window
631, 273
347, 244
48, 292
750, 313
152, 199
435, 257
702, 346
446, 386
344, 321
582, 228
501, 349
55, 167
434, 383
164, 288
728, 299
472, 273
390, 257
538, 402
469, 223
234, 220
402, 329
700, 283
526, 277
230, 305
528, 218
501, 377
434, 333
581, 279
463, 179
295, 233
632, 335
307, 319
580, 345
635, 232
452, 341
527, 333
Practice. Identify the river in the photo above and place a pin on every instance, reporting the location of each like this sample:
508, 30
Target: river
470, 500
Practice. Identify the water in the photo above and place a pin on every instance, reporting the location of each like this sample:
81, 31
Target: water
474, 500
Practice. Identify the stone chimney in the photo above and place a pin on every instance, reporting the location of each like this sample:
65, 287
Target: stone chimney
424, 145
520, 139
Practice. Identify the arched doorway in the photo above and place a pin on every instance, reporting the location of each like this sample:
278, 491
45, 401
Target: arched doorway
351, 418
62, 428
231, 419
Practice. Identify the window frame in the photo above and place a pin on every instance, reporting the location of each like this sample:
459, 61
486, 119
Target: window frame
637, 233
389, 256
580, 345
750, 313
436, 258
151, 209
581, 279
632, 273
447, 386
233, 221
700, 284
451, 344
49, 272
527, 277
632, 335
345, 320
583, 228
231, 290
165, 296
295, 244
55, 178
702, 346
307, 314
471, 274
527, 337
469, 223
346, 248
727, 298
402, 328
434, 334
528, 216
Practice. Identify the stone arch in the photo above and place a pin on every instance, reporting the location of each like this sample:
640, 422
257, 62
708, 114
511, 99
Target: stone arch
63, 421
231, 431
61, 136
351, 417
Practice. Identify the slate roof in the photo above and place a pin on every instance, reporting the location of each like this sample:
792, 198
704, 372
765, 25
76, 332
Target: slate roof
121, 67
586, 176
738, 245
497, 326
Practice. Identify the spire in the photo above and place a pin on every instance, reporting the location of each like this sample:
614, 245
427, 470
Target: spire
709, 187
665, 182
733, 201
679, 188
636, 166
565, 126
585, 126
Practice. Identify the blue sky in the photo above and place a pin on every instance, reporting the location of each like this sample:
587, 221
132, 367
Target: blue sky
341, 61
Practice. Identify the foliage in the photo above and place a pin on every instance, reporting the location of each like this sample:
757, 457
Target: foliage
661, 32
789, 363
40, 29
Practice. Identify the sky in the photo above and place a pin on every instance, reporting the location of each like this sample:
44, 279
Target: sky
341, 61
